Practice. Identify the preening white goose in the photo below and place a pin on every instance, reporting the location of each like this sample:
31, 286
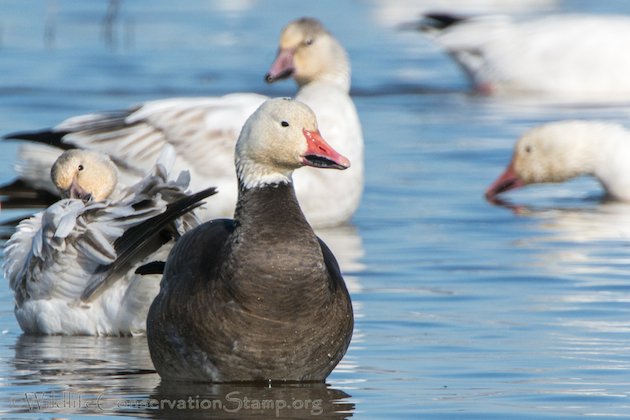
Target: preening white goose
203, 131
71, 266
581, 57
260, 297
559, 151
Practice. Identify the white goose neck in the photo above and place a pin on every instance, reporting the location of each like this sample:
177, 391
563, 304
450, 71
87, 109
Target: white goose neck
253, 175
336, 73
578, 148
610, 155
339, 78
594, 143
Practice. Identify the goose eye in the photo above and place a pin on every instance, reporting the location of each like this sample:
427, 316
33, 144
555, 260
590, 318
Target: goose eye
284, 124
308, 41
528, 149
80, 167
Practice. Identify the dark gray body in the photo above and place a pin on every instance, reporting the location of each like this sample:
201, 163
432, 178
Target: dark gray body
257, 298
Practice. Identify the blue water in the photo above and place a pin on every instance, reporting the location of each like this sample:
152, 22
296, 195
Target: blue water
463, 309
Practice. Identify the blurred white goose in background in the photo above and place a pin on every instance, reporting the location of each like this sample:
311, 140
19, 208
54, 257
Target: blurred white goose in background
578, 57
559, 151
72, 265
393, 13
203, 131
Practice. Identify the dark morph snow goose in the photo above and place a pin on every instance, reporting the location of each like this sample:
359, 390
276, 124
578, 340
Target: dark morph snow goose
259, 297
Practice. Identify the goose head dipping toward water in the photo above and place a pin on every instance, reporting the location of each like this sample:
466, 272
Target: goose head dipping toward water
260, 297
561, 150
84, 174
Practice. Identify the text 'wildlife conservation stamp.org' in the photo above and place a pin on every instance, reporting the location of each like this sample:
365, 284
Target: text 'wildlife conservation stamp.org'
233, 402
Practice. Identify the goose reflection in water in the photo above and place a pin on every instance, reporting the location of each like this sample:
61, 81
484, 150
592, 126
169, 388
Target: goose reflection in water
304, 400
112, 375
569, 236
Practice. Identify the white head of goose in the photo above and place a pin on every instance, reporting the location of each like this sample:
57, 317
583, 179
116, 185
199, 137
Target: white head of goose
84, 174
260, 297
308, 52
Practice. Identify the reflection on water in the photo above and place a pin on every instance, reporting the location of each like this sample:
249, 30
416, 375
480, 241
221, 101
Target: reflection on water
69, 374
577, 240
110, 375
607, 221
78, 362
239, 401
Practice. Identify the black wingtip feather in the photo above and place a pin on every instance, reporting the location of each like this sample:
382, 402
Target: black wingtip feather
155, 267
174, 210
18, 194
92, 123
49, 137
131, 242
439, 21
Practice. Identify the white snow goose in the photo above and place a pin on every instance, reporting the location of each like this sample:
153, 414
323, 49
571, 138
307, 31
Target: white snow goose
259, 297
203, 131
559, 151
579, 57
72, 265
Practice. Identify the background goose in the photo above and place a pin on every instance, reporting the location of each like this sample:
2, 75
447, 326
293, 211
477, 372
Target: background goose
558, 151
260, 297
71, 266
203, 131
577, 56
